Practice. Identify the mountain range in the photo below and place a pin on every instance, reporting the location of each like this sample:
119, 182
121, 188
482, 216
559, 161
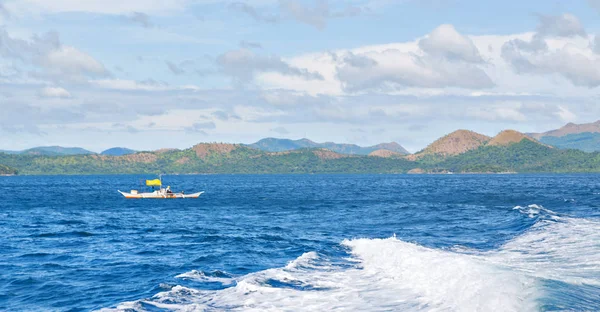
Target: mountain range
66, 151
585, 137
267, 144
51, 151
282, 145
462, 151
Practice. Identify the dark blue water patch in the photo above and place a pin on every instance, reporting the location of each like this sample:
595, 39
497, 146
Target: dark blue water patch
79, 245
37, 255
64, 234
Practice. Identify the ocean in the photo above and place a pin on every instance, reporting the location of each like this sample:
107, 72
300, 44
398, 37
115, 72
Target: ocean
302, 243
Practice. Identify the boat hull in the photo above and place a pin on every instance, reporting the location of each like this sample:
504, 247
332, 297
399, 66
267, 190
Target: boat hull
159, 195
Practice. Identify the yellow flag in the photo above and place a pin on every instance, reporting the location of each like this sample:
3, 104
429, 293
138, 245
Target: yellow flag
155, 182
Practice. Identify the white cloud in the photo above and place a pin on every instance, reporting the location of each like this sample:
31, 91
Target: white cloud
445, 59
440, 81
555, 49
596, 44
4, 13
498, 112
243, 65
54, 92
562, 66
571, 62
280, 130
396, 69
133, 85
141, 19
200, 127
445, 41
322, 63
253, 12
516, 64
71, 61
316, 15
565, 114
174, 68
565, 25
262, 112
47, 53
96, 6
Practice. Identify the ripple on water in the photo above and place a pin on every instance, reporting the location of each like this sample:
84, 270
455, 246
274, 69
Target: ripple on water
64, 234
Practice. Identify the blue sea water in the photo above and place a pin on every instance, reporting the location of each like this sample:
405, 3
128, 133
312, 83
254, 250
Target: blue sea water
302, 243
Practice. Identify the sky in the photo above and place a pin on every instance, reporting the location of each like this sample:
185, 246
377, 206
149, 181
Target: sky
157, 74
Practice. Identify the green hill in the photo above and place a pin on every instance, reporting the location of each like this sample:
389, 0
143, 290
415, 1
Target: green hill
51, 151
5, 170
525, 156
10, 152
56, 151
118, 151
587, 141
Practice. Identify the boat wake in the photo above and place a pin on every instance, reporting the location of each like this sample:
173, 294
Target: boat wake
558, 259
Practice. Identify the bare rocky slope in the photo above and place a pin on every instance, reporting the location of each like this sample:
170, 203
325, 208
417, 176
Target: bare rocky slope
384, 153
507, 137
455, 143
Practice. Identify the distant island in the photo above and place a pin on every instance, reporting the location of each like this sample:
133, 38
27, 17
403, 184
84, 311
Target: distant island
462, 151
585, 137
118, 151
64, 151
282, 145
51, 151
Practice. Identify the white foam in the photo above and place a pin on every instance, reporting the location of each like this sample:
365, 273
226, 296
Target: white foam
390, 275
126, 306
567, 250
304, 261
445, 281
393, 275
201, 277
535, 210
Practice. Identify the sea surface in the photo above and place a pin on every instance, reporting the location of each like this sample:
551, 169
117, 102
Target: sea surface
302, 243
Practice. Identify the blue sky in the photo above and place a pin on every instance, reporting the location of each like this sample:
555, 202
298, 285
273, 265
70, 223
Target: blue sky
152, 74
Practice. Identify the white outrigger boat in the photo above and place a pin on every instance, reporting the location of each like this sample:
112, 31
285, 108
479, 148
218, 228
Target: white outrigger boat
160, 193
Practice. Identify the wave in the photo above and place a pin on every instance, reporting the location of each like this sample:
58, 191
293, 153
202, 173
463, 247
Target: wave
567, 251
214, 277
64, 234
559, 257
537, 211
